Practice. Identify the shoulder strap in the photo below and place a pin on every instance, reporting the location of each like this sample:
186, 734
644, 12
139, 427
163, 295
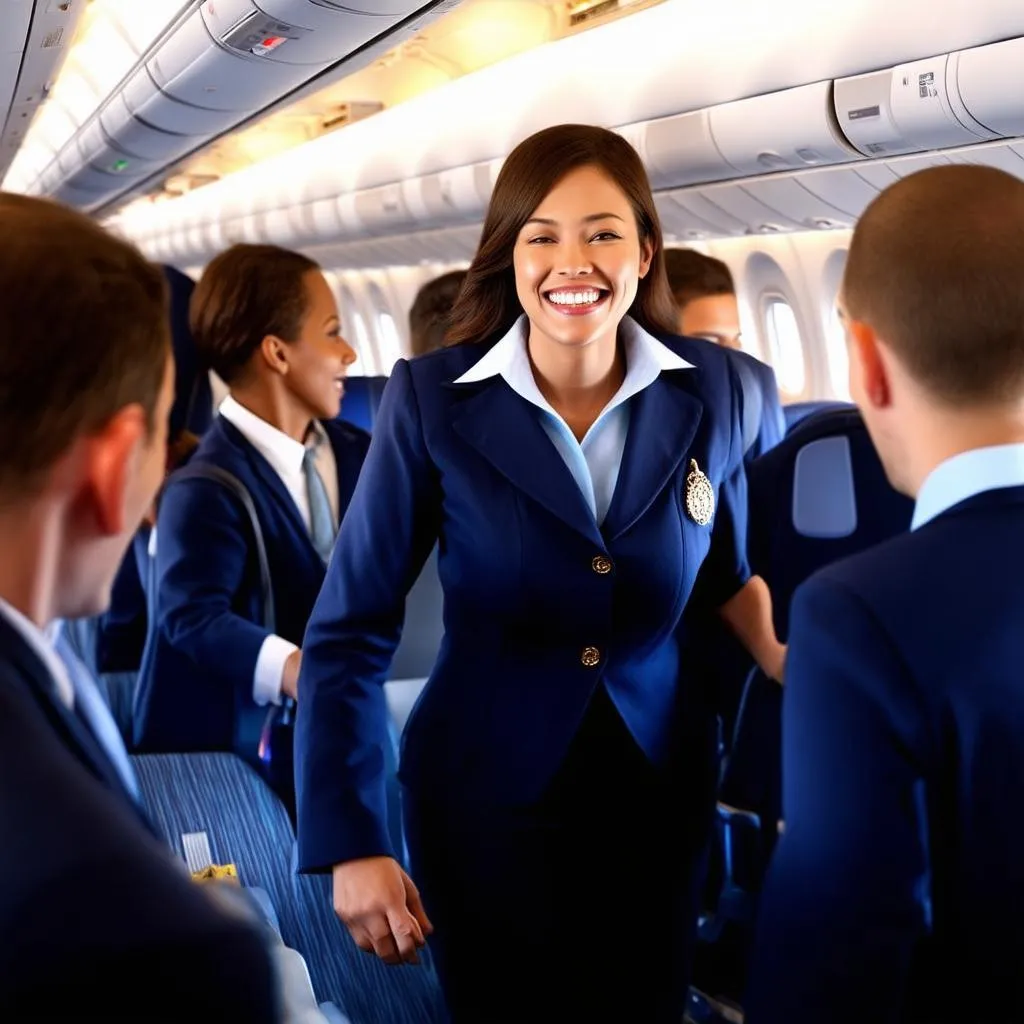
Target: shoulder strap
207, 471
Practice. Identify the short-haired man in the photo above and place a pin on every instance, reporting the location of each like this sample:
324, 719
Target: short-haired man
97, 920
428, 315
897, 890
705, 294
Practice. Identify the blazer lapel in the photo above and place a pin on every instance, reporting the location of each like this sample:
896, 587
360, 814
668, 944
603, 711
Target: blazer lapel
505, 429
663, 421
268, 477
72, 731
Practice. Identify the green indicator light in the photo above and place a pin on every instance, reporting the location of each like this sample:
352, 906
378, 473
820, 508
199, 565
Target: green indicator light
120, 165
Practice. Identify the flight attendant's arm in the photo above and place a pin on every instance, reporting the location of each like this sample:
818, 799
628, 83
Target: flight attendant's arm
724, 583
748, 613
844, 900
341, 726
202, 554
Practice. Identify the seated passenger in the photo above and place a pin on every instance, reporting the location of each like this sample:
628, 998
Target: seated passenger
97, 920
431, 310
897, 891
706, 296
265, 319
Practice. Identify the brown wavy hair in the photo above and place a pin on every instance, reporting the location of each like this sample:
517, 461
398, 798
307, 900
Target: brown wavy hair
487, 304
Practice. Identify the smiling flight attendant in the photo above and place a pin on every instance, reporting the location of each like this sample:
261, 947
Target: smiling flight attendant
584, 481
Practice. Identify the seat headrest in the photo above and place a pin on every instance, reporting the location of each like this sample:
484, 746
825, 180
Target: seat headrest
824, 499
193, 397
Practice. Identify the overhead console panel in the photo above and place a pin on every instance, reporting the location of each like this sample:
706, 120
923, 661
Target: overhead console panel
949, 100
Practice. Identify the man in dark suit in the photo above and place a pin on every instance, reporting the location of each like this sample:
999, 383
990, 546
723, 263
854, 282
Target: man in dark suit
897, 892
97, 919
706, 296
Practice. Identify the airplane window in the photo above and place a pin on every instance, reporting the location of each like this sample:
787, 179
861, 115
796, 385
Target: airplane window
784, 344
390, 342
838, 361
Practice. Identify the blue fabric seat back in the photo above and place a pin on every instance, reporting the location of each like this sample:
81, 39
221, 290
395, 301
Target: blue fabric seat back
796, 412
247, 826
362, 398
193, 395
819, 496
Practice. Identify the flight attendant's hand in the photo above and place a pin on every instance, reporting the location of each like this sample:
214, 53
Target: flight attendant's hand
378, 903
290, 677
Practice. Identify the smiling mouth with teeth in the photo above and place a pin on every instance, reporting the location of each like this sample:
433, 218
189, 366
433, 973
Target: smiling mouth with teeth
576, 298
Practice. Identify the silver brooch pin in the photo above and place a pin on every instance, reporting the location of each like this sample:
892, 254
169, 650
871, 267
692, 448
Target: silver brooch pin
700, 496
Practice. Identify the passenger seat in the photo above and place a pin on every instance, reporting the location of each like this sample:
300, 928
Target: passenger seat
245, 824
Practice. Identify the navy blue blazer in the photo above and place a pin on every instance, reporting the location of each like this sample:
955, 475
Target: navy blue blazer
527, 590
196, 691
97, 922
897, 890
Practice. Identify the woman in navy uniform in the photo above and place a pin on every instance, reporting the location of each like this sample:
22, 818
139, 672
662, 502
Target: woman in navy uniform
584, 482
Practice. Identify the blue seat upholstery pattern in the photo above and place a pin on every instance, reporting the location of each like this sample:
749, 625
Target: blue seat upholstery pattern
248, 826
362, 397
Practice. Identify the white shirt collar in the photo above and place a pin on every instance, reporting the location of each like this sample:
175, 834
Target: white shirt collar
965, 475
42, 643
284, 453
646, 357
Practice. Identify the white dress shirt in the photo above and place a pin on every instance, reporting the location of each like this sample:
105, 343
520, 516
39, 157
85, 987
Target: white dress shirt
965, 475
285, 456
596, 460
42, 643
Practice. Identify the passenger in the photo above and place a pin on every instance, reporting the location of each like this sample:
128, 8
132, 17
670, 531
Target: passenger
559, 768
97, 920
265, 320
706, 296
431, 310
705, 293
897, 893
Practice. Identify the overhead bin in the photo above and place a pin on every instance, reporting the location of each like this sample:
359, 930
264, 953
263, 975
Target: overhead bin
202, 73
680, 150
918, 106
143, 98
191, 67
142, 140
383, 210
990, 82
780, 131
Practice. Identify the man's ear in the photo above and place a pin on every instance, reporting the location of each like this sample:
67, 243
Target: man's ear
110, 457
869, 365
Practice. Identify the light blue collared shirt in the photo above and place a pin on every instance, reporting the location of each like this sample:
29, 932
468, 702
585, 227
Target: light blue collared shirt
965, 475
594, 462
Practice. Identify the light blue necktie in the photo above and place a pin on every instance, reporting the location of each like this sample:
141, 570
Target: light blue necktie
321, 519
93, 710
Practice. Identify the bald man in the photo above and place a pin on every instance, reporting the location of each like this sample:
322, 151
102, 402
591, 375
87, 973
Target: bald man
897, 891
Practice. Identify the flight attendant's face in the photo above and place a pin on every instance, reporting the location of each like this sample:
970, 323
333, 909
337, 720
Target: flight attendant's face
579, 259
319, 358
